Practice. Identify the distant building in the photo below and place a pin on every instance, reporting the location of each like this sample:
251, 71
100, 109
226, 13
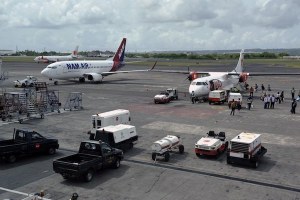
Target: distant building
6, 52
291, 57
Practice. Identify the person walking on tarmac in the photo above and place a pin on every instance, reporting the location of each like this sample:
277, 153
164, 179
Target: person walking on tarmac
294, 105
233, 107
251, 91
293, 93
262, 88
249, 102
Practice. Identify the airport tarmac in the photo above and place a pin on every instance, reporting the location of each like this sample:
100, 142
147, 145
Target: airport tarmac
184, 176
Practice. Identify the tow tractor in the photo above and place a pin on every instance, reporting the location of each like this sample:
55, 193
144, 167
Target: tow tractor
246, 148
164, 146
212, 145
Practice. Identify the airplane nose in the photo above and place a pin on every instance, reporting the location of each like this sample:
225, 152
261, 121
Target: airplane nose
44, 72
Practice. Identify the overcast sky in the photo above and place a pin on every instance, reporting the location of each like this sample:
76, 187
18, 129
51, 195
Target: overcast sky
149, 25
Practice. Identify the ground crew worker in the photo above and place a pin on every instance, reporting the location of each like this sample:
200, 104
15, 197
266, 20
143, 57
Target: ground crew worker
233, 107
193, 97
249, 102
294, 105
251, 91
293, 93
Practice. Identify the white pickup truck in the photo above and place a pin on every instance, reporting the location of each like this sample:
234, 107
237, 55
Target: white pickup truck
27, 82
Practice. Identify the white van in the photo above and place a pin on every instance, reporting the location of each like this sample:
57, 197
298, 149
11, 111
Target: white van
217, 96
235, 96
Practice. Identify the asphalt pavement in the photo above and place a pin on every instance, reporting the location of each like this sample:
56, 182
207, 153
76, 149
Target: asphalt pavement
184, 176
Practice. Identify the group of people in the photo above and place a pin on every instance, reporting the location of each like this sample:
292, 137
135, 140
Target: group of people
268, 99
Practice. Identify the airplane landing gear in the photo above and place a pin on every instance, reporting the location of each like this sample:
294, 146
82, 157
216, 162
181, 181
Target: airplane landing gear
81, 79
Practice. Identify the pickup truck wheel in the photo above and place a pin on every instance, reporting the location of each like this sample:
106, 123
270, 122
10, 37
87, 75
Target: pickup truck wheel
228, 161
11, 158
65, 177
153, 156
51, 151
130, 145
181, 149
255, 164
167, 156
89, 175
117, 163
198, 155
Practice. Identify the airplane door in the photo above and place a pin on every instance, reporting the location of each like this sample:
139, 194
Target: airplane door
65, 69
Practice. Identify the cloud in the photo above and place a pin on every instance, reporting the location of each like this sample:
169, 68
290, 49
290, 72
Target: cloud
149, 25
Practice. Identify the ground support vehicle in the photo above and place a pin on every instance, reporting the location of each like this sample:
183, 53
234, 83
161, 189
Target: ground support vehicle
246, 148
217, 96
173, 93
114, 117
211, 145
121, 136
92, 156
27, 82
236, 97
163, 97
164, 146
26, 143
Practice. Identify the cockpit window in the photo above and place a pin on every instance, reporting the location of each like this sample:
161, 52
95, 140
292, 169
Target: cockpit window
201, 83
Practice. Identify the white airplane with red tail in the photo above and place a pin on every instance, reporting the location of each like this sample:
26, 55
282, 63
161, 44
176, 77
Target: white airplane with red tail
204, 82
92, 70
51, 59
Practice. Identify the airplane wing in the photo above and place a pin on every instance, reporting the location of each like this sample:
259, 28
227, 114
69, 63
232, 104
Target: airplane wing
131, 71
265, 74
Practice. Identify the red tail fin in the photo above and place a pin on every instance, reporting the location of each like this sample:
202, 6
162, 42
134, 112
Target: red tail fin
119, 56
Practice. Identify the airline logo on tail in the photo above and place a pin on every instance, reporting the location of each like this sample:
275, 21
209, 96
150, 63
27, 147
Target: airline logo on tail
119, 56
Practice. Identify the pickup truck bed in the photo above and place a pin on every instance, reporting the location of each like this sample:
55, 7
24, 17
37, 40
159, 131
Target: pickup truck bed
89, 159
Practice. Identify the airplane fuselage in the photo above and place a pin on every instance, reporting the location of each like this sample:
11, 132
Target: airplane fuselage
76, 69
48, 59
216, 80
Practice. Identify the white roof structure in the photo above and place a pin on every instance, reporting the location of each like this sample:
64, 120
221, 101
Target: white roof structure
112, 113
246, 138
207, 141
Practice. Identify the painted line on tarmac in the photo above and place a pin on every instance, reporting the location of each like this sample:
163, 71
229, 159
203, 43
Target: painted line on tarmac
213, 174
230, 133
22, 193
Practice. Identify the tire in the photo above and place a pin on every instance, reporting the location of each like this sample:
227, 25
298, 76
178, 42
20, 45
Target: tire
11, 158
51, 151
255, 164
130, 145
209, 102
117, 164
228, 160
153, 156
23, 85
31, 85
198, 155
55, 82
181, 149
65, 176
89, 175
167, 156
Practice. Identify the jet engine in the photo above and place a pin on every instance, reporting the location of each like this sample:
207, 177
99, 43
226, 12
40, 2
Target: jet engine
192, 76
94, 77
243, 77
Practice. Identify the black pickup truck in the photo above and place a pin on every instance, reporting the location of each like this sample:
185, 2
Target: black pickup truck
26, 143
92, 156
